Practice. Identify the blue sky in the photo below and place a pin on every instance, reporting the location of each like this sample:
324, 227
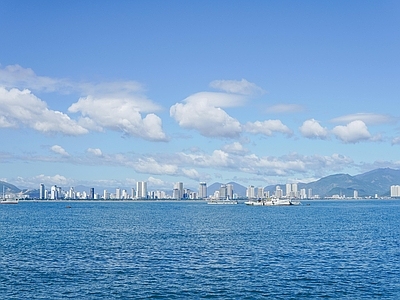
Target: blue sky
109, 93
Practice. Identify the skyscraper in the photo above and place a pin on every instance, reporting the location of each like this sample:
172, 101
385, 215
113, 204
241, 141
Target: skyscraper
295, 192
202, 190
54, 193
222, 191
288, 189
41, 191
229, 191
179, 187
250, 193
141, 190
260, 192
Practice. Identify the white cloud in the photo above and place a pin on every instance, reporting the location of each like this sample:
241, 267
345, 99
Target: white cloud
25, 78
191, 173
121, 115
285, 108
235, 148
95, 151
396, 141
152, 166
268, 127
202, 112
112, 105
312, 129
16, 76
367, 118
157, 182
23, 108
58, 180
242, 87
59, 150
353, 132
267, 165
217, 159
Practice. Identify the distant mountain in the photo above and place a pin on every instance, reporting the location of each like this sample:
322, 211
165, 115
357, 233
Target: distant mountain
8, 188
377, 181
381, 179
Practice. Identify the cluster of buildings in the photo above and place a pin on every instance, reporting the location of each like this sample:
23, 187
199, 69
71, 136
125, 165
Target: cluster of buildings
225, 191
140, 192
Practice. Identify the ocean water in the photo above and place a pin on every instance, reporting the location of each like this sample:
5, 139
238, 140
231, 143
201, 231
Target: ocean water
182, 250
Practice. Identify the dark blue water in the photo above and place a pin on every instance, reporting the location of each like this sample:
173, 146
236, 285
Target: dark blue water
131, 250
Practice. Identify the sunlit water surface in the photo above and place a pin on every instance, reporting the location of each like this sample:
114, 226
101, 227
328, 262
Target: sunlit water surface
131, 250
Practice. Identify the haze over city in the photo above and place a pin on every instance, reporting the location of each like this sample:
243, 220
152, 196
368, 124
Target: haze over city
256, 92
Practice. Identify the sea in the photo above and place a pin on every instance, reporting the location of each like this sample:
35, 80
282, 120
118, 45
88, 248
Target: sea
190, 250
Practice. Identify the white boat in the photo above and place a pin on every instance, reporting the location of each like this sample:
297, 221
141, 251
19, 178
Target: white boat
222, 202
9, 201
5, 200
272, 202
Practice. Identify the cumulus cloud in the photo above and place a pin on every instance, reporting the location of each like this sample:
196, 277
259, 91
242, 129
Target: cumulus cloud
268, 127
312, 129
203, 112
353, 132
191, 173
217, 159
59, 150
285, 108
152, 181
121, 114
58, 180
21, 107
115, 105
235, 148
95, 151
242, 87
367, 118
151, 165
17, 76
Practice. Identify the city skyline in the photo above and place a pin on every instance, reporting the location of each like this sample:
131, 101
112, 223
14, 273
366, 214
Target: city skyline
255, 93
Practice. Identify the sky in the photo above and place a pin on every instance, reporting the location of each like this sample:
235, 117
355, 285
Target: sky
108, 93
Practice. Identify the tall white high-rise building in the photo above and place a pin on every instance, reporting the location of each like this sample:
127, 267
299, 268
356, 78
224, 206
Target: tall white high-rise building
179, 187
395, 191
71, 193
295, 192
54, 193
288, 189
260, 192
42, 192
222, 191
202, 190
229, 190
141, 190
250, 192
118, 193
278, 192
